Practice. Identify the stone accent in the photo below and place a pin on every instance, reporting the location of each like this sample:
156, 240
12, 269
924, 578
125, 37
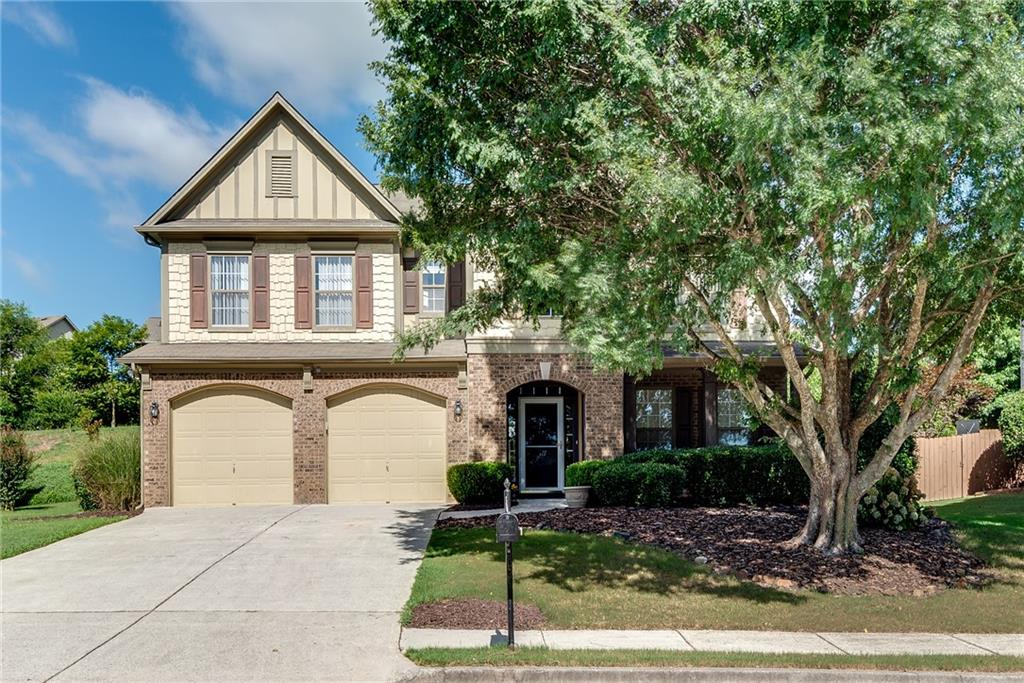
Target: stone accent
282, 298
309, 409
493, 375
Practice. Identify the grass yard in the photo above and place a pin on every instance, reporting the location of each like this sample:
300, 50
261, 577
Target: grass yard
538, 656
40, 522
34, 526
580, 581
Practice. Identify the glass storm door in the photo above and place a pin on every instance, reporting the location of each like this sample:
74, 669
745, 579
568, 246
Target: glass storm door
541, 454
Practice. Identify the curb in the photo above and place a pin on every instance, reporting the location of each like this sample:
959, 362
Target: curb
691, 675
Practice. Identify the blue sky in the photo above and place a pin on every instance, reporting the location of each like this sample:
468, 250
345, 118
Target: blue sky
106, 108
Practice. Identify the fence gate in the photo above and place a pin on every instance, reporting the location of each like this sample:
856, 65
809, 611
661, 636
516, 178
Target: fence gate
958, 466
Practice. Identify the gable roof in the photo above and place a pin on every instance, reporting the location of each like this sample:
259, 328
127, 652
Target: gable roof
48, 321
276, 105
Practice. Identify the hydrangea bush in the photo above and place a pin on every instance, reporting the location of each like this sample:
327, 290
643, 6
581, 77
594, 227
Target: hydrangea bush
893, 502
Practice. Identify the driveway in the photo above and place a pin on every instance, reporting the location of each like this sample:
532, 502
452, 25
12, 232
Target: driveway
295, 593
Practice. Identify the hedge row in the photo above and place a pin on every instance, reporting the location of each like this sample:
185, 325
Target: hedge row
730, 475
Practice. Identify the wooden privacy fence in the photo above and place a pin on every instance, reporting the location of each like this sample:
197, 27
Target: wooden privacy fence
958, 466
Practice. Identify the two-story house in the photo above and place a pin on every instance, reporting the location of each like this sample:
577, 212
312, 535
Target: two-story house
283, 286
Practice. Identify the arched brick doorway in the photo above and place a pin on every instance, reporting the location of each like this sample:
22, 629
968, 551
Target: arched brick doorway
544, 433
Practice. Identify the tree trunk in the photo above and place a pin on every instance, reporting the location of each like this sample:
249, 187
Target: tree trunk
831, 524
113, 413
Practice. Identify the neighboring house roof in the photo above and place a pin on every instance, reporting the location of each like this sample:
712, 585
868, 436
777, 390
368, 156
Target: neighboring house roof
276, 106
48, 321
402, 201
309, 353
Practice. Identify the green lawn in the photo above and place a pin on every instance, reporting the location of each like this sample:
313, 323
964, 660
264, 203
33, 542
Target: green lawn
539, 656
596, 582
34, 526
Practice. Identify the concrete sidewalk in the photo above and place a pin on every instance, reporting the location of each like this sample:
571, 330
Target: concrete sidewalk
780, 642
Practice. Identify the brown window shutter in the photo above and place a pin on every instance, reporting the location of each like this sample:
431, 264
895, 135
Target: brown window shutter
456, 285
260, 291
197, 290
303, 296
410, 287
364, 291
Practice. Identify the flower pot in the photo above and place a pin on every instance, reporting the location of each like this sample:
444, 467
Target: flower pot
576, 496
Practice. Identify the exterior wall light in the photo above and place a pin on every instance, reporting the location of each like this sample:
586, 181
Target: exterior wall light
154, 410
458, 408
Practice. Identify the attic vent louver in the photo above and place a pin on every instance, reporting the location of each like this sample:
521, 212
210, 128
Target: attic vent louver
280, 173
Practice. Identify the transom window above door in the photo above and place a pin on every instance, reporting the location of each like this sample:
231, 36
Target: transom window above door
433, 280
333, 282
229, 290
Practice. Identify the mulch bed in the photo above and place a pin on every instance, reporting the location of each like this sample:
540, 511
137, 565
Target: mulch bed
473, 613
747, 542
84, 513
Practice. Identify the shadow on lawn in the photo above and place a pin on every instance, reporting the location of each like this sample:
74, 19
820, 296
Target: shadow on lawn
577, 563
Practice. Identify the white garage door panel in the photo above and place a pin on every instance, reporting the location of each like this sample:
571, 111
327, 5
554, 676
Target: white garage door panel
232, 446
386, 445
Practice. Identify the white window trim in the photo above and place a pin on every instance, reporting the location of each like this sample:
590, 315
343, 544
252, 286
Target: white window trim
444, 290
351, 255
213, 327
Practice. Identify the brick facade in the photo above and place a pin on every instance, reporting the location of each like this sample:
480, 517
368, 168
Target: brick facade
309, 414
493, 375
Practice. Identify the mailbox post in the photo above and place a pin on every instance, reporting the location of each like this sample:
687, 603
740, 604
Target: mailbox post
508, 532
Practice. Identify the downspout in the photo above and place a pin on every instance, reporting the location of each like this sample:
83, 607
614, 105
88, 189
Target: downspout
142, 441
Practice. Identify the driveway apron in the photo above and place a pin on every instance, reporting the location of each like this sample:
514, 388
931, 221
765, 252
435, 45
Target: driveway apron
296, 593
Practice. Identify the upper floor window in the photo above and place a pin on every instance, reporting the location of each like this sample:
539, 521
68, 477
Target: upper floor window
432, 284
229, 290
653, 418
332, 278
732, 418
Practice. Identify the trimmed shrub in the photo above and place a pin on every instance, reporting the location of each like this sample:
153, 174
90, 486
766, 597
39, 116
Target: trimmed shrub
582, 473
893, 502
478, 482
108, 472
16, 465
1011, 424
644, 484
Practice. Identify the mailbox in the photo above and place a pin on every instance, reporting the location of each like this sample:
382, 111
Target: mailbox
508, 528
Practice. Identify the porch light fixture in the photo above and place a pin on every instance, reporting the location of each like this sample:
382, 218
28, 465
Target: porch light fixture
154, 410
458, 408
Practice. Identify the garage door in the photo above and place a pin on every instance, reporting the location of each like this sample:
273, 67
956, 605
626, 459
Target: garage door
231, 446
386, 445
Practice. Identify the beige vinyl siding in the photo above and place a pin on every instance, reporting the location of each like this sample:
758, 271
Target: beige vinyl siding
323, 191
231, 446
386, 445
282, 298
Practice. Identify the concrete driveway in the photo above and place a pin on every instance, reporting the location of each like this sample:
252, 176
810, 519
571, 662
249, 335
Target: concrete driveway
296, 593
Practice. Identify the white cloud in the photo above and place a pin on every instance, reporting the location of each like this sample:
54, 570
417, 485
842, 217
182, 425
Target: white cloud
121, 138
27, 268
41, 22
314, 53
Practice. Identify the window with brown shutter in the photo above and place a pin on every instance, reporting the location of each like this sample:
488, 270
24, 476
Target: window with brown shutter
197, 291
456, 285
260, 291
364, 291
303, 299
410, 286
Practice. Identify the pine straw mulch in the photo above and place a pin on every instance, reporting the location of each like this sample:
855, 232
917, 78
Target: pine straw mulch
473, 613
747, 542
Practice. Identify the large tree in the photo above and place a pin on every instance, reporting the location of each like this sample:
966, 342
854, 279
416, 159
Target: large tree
853, 171
108, 386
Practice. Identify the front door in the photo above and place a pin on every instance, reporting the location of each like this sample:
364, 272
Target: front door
541, 451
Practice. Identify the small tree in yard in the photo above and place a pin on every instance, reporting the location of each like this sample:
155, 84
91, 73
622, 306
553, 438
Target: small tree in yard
851, 171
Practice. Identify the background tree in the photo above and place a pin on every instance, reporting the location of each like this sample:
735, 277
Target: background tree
23, 362
853, 170
109, 388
